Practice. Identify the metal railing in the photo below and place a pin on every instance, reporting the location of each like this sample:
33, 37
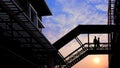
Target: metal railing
82, 49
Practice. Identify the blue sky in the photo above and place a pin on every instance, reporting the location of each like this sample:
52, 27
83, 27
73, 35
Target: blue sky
67, 14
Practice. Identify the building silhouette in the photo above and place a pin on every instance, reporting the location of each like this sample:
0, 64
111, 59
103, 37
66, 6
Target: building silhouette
23, 45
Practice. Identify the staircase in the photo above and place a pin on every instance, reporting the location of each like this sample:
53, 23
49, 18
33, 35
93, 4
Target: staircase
83, 51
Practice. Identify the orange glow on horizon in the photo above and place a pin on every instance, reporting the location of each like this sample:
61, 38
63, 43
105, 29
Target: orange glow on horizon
96, 60
93, 61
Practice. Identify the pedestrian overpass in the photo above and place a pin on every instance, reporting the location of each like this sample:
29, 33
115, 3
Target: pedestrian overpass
87, 48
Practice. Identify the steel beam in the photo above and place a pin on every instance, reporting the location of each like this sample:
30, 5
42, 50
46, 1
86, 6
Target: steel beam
85, 29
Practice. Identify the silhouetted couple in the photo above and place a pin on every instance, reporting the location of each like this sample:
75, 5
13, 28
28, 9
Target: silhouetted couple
96, 43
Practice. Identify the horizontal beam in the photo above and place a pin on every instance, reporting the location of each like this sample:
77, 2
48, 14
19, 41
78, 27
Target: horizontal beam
85, 29
93, 52
97, 29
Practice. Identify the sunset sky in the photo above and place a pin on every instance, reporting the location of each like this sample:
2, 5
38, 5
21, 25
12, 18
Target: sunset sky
67, 14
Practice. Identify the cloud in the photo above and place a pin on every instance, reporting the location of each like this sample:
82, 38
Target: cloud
98, 1
67, 14
102, 7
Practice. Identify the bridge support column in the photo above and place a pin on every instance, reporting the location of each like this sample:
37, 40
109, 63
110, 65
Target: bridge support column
115, 47
51, 61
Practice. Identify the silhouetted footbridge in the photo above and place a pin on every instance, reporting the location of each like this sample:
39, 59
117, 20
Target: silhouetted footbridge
86, 48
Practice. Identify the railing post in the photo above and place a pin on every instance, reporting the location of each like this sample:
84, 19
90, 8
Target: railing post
88, 42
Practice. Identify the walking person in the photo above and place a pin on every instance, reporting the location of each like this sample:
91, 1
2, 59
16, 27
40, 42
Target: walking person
98, 43
95, 43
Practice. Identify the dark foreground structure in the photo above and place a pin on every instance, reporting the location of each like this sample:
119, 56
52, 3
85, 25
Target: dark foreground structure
23, 45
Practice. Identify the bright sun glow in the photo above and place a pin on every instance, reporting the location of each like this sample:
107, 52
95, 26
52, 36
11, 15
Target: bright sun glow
96, 60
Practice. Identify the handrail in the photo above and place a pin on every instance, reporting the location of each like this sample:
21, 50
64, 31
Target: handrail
75, 50
78, 40
81, 47
74, 55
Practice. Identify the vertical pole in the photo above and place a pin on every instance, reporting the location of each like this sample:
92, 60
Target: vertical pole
88, 42
11, 25
60, 66
29, 12
50, 60
109, 19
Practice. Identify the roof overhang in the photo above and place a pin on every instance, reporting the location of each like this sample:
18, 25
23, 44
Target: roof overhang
41, 7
